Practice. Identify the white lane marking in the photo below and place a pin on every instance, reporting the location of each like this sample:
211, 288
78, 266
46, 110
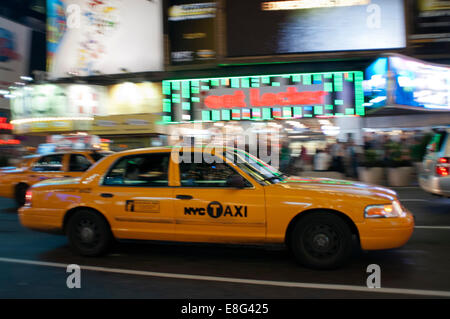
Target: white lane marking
401, 291
432, 227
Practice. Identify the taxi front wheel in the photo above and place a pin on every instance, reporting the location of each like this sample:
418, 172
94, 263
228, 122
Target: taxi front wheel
321, 241
89, 234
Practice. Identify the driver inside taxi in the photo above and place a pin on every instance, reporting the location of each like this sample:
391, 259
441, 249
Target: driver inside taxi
132, 172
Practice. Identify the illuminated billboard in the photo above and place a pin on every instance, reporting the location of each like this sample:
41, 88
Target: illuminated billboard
65, 107
307, 26
63, 100
14, 55
420, 84
88, 37
402, 81
191, 26
134, 98
430, 32
264, 97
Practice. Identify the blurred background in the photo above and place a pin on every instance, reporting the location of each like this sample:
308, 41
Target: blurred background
347, 85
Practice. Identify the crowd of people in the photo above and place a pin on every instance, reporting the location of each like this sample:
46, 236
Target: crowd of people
345, 157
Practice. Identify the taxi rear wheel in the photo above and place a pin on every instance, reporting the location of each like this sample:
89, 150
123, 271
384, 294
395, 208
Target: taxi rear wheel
19, 194
321, 241
89, 234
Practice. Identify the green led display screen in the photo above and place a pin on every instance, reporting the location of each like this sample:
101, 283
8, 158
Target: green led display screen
265, 97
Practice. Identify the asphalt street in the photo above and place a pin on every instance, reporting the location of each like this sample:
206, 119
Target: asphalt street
34, 265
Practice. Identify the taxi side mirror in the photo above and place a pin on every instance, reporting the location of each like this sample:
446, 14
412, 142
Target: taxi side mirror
236, 181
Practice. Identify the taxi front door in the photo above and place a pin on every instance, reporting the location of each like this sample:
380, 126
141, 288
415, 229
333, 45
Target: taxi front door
206, 209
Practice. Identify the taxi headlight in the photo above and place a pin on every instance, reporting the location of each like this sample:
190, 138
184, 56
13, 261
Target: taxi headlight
384, 211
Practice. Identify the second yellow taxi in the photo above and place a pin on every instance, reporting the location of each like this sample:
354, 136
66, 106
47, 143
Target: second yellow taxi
15, 181
229, 196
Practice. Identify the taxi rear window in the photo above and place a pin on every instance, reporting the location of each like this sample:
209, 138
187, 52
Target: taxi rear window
143, 170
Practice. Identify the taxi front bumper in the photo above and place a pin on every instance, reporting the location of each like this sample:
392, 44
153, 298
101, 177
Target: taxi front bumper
42, 219
386, 233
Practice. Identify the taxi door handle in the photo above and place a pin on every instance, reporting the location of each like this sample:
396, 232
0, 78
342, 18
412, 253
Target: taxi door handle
106, 195
184, 197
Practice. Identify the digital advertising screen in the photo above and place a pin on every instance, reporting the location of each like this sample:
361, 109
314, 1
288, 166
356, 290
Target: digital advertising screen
89, 37
308, 26
264, 97
376, 84
420, 84
191, 28
403, 81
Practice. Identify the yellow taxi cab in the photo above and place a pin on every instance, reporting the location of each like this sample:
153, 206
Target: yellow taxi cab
227, 196
14, 182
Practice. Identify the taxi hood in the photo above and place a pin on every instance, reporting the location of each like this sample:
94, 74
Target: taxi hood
337, 186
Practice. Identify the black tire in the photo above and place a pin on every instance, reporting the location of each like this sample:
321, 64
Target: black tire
89, 233
19, 194
321, 241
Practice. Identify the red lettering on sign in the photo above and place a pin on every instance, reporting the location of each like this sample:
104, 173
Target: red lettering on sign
237, 99
290, 97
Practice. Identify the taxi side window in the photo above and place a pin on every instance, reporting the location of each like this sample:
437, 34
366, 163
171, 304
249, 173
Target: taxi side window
48, 163
78, 163
149, 170
212, 172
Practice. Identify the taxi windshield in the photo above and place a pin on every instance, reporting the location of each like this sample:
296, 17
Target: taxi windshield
253, 166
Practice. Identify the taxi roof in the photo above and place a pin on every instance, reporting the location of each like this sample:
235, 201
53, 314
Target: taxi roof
71, 152
154, 149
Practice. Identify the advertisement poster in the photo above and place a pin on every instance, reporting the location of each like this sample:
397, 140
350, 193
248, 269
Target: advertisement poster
191, 26
431, 27
134, 98
89, 37
125, 124
65, 101
289, 27
14, 55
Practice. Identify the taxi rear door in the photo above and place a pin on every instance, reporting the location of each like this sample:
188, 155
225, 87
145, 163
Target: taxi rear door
208, 209
135, 194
